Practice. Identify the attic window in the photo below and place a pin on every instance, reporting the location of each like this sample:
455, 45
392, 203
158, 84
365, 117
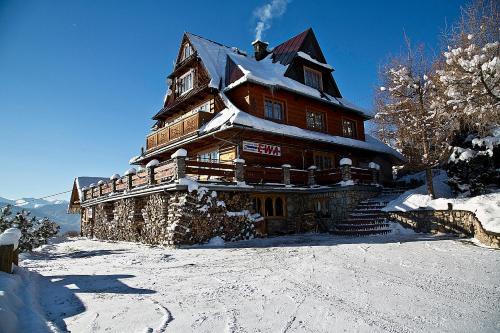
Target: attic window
312, 78
185, 83
186, 51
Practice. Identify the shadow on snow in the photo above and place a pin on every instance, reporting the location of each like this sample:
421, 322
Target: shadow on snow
322, 239
58, 293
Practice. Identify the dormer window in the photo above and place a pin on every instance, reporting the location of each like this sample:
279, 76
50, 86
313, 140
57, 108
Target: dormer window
186, 52
185, 83
312, 78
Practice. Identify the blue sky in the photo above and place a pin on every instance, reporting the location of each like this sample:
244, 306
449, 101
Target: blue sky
80, 80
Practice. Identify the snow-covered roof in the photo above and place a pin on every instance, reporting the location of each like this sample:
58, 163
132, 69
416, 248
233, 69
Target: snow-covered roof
266, 72
82, 182
214, 57
307, 57
269, 73
232, 116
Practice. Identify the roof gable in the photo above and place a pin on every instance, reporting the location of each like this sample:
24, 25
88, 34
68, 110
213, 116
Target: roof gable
286, 51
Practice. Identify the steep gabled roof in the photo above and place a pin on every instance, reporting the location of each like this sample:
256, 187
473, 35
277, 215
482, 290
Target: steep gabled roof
285, 52
213, 55
216, 58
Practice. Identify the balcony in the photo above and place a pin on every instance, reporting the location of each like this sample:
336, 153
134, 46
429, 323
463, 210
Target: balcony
229, 173
179, 129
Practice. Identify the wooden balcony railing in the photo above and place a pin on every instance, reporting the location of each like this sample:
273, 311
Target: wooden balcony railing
228, 172
177, 130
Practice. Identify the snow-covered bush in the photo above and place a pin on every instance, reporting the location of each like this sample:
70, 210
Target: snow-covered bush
469, 71
35, 232
474, 164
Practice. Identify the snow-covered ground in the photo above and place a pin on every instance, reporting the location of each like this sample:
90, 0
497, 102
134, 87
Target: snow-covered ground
486, 207
304, 283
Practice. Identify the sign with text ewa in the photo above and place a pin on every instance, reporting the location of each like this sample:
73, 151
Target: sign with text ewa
261, 148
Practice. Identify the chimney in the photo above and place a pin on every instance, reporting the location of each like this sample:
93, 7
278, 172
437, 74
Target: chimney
260, 49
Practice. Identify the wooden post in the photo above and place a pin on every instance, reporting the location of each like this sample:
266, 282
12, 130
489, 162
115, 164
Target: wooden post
374, 168
286, 173
239, 170
180, 163
100, 184
91, 189
6, 258
345, 168
130, 173
114, 178
311, 181
151, 171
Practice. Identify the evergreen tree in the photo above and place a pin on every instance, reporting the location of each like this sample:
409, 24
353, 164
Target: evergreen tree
35, 232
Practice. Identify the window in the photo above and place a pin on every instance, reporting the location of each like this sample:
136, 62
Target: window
315, 121
278, 205
186, 52
349, 128
273, 110
312, 78
210, 156
269, 205
205, 107
185, 83
324, 161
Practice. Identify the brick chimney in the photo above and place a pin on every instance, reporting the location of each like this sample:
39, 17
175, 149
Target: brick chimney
260, 49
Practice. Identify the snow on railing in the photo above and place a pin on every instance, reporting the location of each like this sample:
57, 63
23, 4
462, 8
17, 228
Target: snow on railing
179, 166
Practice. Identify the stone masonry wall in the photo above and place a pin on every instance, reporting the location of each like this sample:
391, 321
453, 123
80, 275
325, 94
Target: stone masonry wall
461, 222
174, 218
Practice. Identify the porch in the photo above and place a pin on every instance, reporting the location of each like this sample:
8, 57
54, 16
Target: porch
236, 173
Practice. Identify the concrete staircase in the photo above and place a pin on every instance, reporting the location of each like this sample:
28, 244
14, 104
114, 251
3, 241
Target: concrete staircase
368, 218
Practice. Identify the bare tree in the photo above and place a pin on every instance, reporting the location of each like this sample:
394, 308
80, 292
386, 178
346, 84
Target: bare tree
408, 115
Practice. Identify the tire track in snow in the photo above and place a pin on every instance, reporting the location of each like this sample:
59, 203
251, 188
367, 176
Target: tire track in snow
166, 319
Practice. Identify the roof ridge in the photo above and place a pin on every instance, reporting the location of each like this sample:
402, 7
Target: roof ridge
209, 40
300, 33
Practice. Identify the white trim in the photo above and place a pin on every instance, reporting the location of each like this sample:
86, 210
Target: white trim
190, 72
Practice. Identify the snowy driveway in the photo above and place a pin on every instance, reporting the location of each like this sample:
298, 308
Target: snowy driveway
308, 283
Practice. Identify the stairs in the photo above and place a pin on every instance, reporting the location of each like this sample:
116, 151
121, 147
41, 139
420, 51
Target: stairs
368, 218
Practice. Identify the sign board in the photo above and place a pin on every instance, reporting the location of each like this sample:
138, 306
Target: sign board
261, 148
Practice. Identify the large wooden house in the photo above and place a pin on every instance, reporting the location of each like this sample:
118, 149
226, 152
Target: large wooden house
271, 124
275, 107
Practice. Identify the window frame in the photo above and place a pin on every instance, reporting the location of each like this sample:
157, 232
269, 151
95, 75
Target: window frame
181, 78
186, 46
275, 101
320, 74
259, 204
201, 156
324, 120
355, 128
319, 155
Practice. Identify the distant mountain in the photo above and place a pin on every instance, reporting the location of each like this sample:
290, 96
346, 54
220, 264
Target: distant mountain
55, 210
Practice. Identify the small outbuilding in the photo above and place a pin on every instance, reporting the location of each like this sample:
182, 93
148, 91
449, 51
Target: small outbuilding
77, 192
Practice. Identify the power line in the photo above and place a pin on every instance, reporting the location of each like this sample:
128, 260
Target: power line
47, 196
53, 195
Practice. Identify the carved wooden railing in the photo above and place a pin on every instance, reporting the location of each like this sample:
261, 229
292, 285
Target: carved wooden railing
180, 166
177, 130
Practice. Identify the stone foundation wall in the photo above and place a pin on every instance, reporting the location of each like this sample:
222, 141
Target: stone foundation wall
184, 217
461, 222
173, 218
